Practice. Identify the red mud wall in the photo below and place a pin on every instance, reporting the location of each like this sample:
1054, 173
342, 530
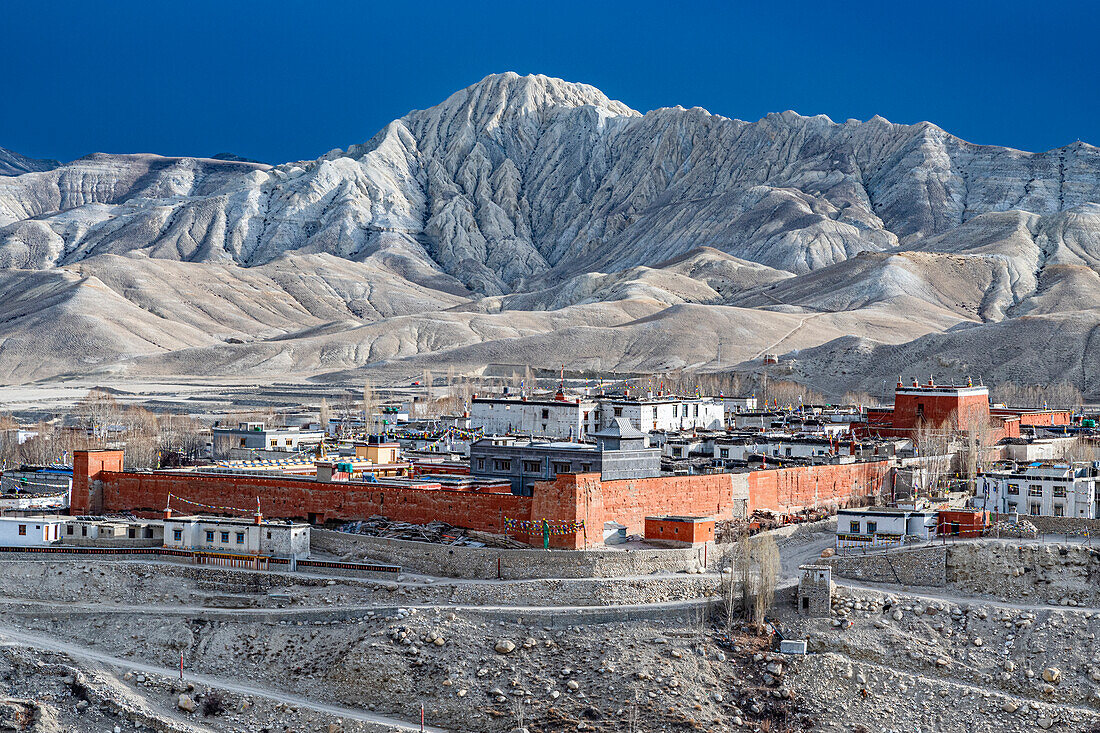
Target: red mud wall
147, 493
790, 489
575, 497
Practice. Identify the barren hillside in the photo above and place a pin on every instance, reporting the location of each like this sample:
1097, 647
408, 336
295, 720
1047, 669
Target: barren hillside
532, 220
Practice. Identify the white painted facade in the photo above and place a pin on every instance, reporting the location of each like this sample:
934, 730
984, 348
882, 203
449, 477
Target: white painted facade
733, 405
239, 536
664, 413
257, 436
1042, 490
886, 522
30, 531
569, 419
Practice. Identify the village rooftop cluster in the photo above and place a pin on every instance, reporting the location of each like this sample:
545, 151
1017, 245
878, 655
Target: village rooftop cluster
581, 469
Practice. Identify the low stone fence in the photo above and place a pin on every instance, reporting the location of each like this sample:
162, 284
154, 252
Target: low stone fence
925, 566
222, 559
488, 562
1055, 525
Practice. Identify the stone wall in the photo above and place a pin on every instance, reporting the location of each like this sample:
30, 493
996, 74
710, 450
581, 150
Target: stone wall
482, 562
925, 566
1056, 525
1026, 571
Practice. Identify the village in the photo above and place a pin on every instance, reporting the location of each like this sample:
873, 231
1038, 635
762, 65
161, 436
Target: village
630, 558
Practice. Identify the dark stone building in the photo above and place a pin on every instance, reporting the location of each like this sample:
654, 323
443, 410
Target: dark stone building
621, 452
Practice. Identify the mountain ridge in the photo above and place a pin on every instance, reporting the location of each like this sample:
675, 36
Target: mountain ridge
520, 195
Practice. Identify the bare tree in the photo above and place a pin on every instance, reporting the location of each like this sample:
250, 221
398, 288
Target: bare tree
427, 382
1058, 395
97, 413
933, 444
756, 566
978, 436
370, 409
767, 561
324, 414
1080, 450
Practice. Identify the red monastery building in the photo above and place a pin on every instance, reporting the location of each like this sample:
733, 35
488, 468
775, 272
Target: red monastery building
575, 505
937, 406
960, 408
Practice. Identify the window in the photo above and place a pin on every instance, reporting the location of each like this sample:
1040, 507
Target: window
69, 529
920, 410
546, 414
225, 538
1059, 492
240, 538
853, 527
788, 452
586, 467
480, 464
618, 412
22, 530
83, 530
696, 411
1059, 510
502, 464
872, 527
209, 536
1035, 510
289, 442
531, 466
805, 602
132, 532
1034, 490
723, 452
561, 467
1014, 489
177, 535
269, 534
1013, 507
677, 452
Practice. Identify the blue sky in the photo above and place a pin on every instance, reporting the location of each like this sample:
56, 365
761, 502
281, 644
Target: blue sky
289, 80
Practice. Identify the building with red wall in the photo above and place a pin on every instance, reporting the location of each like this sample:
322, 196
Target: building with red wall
790, 490
575, 505
680, 530
961, 522
1034, 418
930, 405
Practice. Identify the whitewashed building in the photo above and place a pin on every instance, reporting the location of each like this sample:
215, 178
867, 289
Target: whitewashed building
237, 536
257, 436
571, 419
1040, 489
664, 413
731, 406
883, 526
30, 531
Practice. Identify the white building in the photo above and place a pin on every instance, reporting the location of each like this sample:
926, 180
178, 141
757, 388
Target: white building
664, 413
552, 418
257, 436
1041, 490
883, 526
30, 531
238, 536
733, 405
